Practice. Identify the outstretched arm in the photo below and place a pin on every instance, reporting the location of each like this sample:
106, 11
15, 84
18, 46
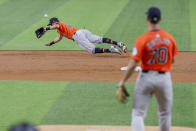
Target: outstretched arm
55, 41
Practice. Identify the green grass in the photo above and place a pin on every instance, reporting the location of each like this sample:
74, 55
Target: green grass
194, 98
83, 103
88, 104
97, 18
19, 15
192, 24
123, 21
26, 101
184, 104
2, 1
94, 104
131, 23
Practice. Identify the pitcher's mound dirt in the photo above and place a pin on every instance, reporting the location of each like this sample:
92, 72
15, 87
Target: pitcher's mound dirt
80, 66
102, 128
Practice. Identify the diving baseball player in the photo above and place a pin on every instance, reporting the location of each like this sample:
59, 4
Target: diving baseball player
156, 50
82, 37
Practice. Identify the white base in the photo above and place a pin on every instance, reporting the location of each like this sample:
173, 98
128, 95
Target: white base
137, 68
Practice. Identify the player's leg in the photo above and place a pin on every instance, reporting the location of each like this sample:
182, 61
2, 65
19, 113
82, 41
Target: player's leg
85, 44
141, 102
142, 95
164, 95
92, 37
103, 50
80, 38
110, 41
97, 39
119, 44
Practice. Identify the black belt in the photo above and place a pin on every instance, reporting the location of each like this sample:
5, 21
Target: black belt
73, 35
146, 71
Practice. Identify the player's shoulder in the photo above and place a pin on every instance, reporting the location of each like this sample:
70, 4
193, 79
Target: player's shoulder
59, 23
167, 34
142, 38
140, 41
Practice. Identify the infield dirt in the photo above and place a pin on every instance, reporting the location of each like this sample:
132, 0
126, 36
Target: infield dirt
102, 128
81, 66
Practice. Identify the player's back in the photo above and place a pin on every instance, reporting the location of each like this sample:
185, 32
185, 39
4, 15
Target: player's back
156, 50
66, 30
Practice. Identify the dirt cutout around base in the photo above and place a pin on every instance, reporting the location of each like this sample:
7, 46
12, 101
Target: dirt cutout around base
102, 128
81, 66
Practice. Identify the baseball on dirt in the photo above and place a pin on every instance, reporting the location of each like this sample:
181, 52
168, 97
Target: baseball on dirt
46, 15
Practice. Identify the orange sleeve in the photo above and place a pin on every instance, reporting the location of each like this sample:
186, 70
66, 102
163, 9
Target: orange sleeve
58, 31
137, 52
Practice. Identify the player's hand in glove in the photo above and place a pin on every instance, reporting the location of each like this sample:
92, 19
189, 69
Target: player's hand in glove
121, 93
40, 32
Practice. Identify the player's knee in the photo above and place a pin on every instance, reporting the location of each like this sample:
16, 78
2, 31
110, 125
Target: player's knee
106, 40
165, 113
138, 113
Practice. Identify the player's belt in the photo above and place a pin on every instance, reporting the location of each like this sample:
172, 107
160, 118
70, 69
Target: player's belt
73, 35
146, 71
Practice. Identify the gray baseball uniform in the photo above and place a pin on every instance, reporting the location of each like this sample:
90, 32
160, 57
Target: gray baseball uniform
155, 49
147, 84
85, 40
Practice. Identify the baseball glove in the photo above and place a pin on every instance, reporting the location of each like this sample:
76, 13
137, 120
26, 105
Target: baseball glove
40, 32
122, 94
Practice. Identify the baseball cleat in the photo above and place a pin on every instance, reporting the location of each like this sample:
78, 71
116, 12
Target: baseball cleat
113, 49
123, 47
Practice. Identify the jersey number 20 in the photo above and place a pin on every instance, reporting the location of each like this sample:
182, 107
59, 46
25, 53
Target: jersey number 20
159, 55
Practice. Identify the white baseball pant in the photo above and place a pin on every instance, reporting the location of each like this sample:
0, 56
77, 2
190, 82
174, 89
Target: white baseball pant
147, 84
85, 40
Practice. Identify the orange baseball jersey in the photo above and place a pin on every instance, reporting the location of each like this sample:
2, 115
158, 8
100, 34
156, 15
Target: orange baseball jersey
155, 49
66, 30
